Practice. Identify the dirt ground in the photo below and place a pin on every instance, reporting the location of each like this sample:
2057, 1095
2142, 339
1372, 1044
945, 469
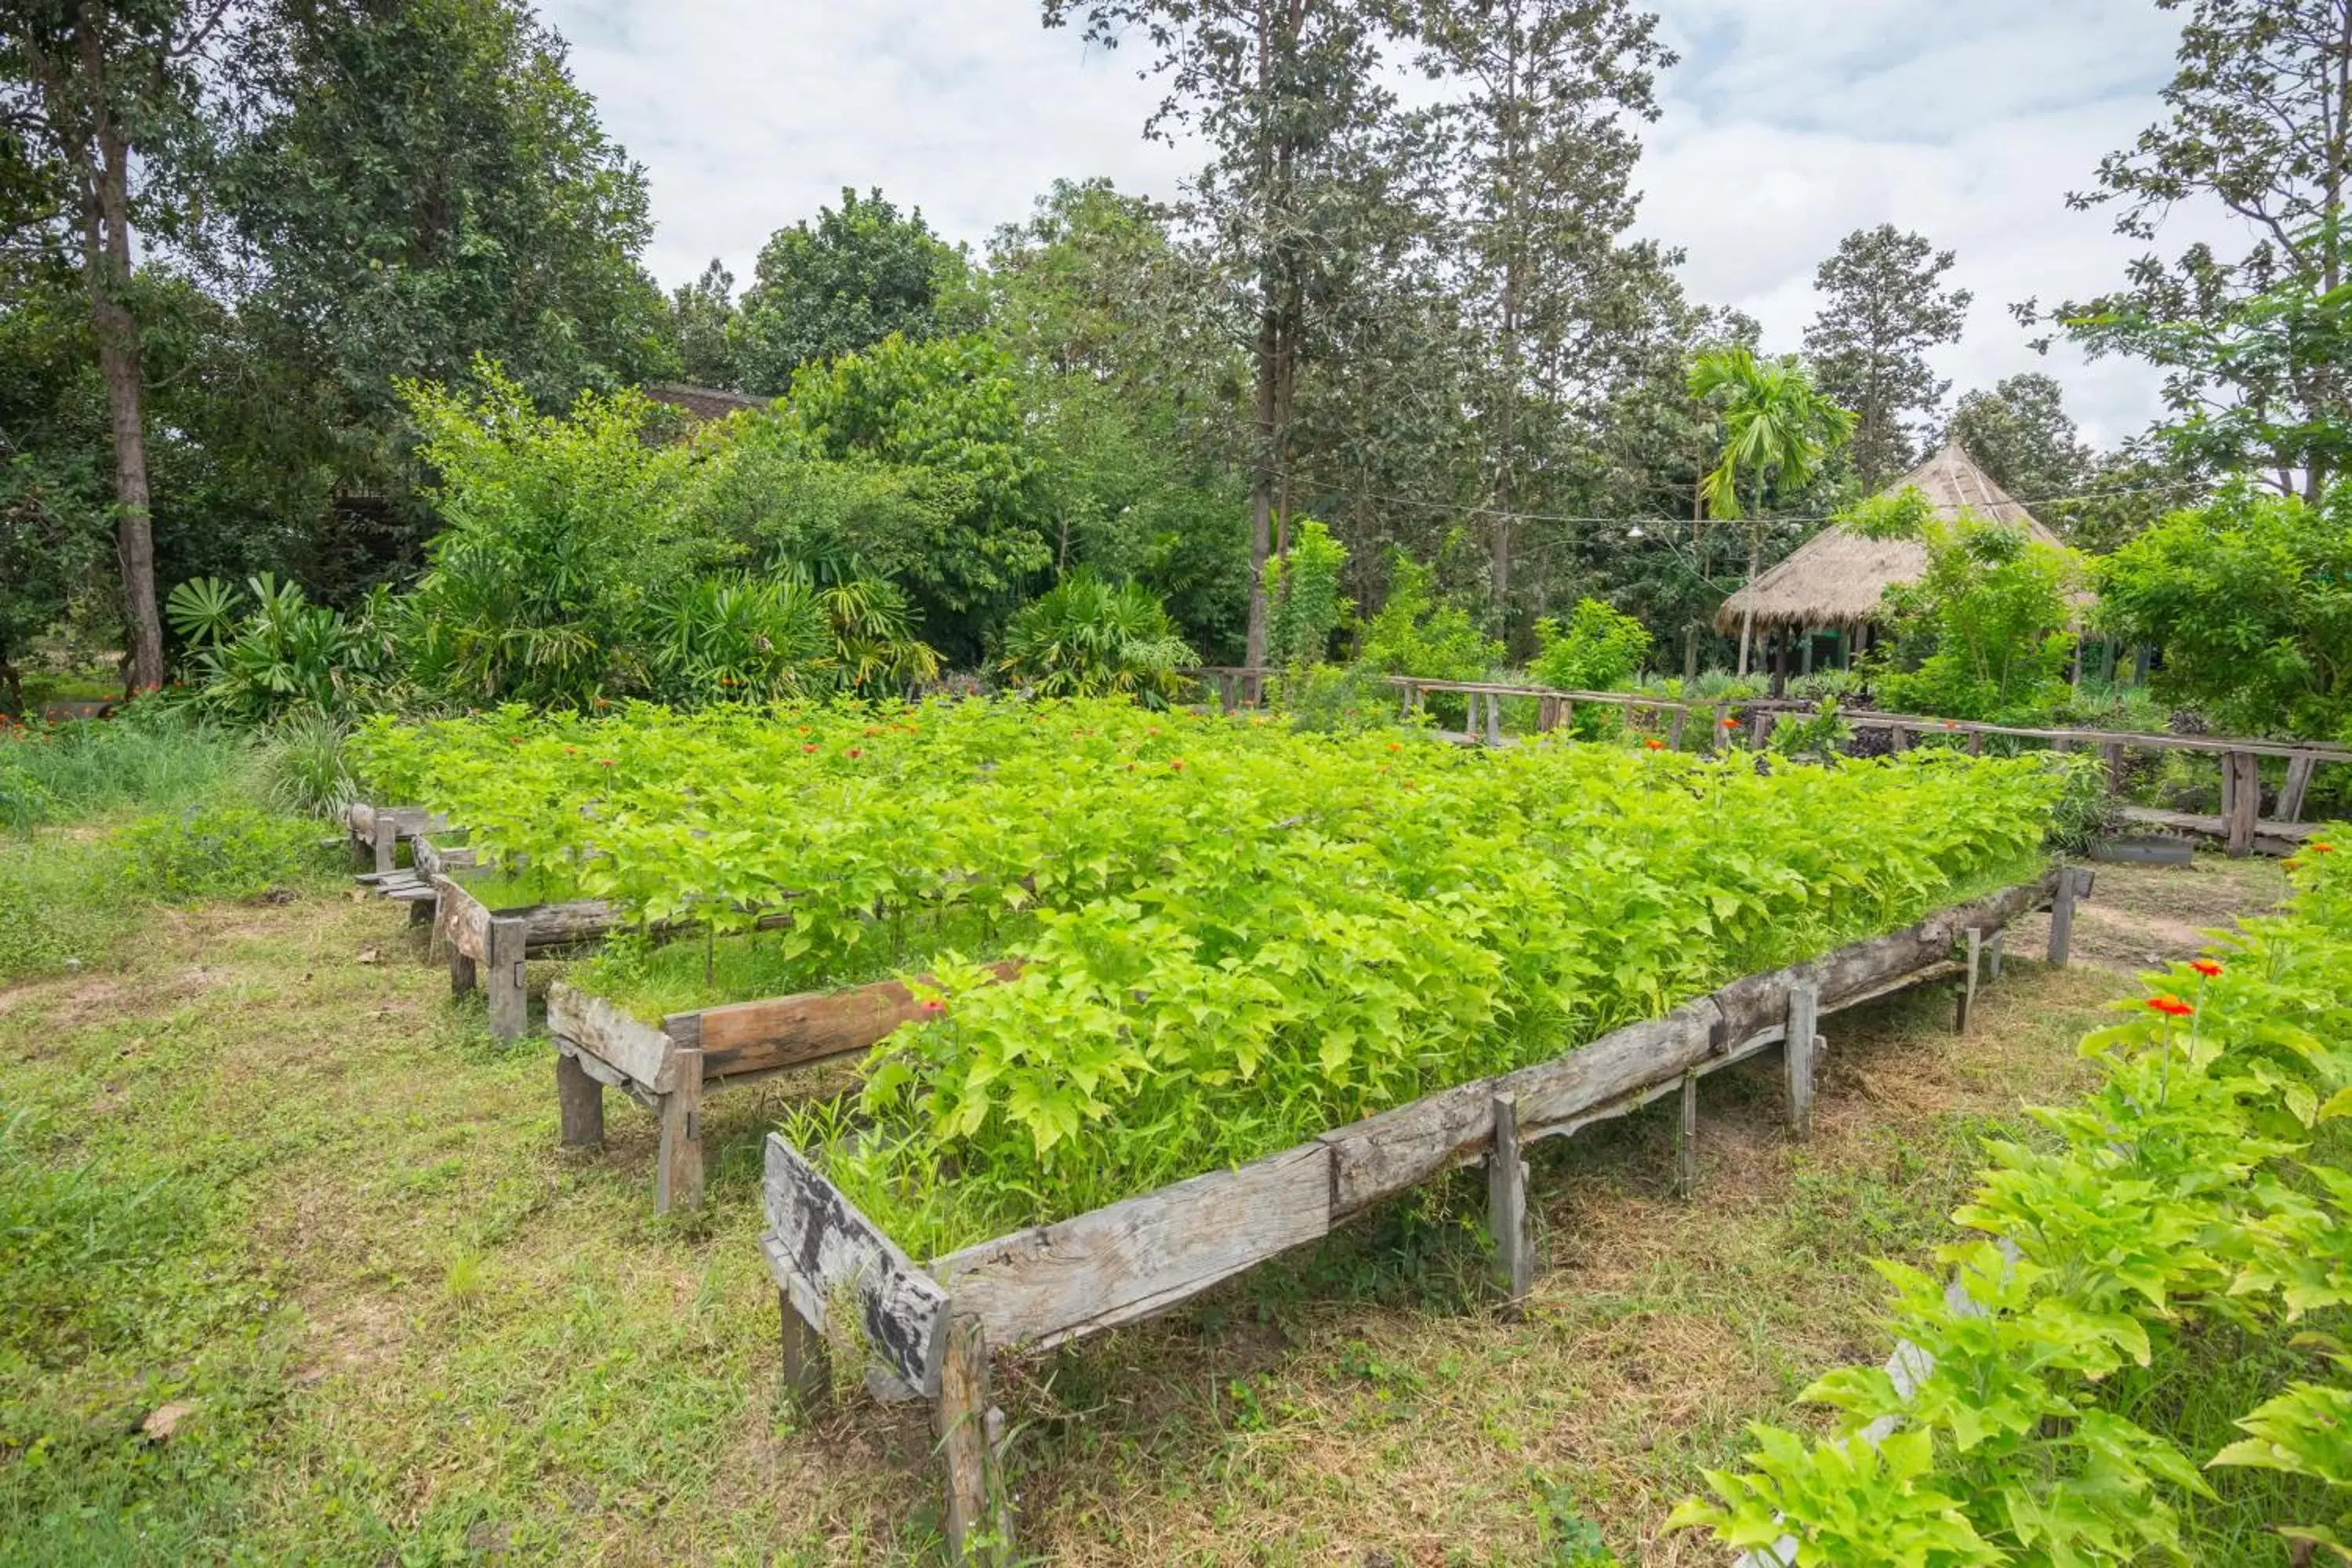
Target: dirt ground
408, 1329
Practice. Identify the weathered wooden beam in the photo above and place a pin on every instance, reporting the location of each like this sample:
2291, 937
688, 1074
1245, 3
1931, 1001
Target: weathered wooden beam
2061, 916
607, 1030
821, 1250
1993, 948
2114, 751
978, 1531
2244, 810
1506, 1205
1686, 1141
808, 1365
1967, 1000
678, 1178
2298, 783
503, 978
580, 1102
1128, 1260
1804, 1016
386, 836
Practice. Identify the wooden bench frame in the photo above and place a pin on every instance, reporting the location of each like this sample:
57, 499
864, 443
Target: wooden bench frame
932, 1326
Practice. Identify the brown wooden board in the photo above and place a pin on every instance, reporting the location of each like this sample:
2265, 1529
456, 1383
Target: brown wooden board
786, 1031
821, 1250
1128, 1260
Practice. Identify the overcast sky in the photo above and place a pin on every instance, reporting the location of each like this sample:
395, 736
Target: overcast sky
1788, 123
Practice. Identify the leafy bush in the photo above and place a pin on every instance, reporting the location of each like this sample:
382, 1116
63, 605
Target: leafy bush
283, 653
303, 766
736, 638
1305, 595
2246, 596
1088, 638
224, 850
1984, 630
1416, 634
1594, 649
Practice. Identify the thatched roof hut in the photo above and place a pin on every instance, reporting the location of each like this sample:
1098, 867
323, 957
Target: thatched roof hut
1838, 578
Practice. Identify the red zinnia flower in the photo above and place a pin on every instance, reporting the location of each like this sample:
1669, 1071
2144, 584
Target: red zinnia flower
1731, 723
854, 754
2321, 847
2170, 1007
933, 1008
603, 761
1654, 745
2205, 966
1178, 764
810, 747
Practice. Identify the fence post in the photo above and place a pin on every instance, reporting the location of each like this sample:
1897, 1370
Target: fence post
978, 1528
1494, 720
678, 1174
2244, 806
2061, 916
579, 1101
2115, 767
1506, 1205
1804, 1014
2298, 783
1967, 999
1687, 1139
502, 977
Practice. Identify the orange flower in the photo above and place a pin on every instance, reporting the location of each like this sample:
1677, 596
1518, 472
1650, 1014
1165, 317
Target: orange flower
603, 761
2320, 847
2205, 966
933, 1008
1730, 723
854, 752
1178, 764
810, 747
1652, 743
2170, 1007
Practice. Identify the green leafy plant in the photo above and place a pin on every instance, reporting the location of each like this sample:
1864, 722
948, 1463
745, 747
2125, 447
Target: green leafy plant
1594, 649
1305, 593
281, 655
1087, 637
1415, 633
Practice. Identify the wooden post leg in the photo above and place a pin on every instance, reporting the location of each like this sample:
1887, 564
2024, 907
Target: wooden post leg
677, 1180
1993, 952
1967, 999
461, 971
509, 1008
420, 911
1686, 1141
579, 1102
979, 1529
1674, 727
387, 843
1804, 1019
2061, 916
2245, 803
1494, 720
2298, 785
808, 1368
1506, 1205
2114, 754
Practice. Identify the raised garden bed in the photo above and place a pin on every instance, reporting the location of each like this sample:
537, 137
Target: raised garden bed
931, 1326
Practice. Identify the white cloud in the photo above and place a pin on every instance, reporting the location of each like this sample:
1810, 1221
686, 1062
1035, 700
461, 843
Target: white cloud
1788, 123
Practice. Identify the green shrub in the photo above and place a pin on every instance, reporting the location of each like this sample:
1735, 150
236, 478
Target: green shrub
1306, 607
303, 766
1086, 638
1416, 633
219, 851
1592, 650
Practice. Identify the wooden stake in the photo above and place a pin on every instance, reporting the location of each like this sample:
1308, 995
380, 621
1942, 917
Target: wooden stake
1686, 1141
509, 1008
2243, 769
677, 1179
1992, 953
580, 1103
1804, 1016
978, 1530
1494, 720
1969, 981
387, 843
1674, 727
808, 1369
1506, 1205
461, 971
2061, 916
2298, 783
2114, 754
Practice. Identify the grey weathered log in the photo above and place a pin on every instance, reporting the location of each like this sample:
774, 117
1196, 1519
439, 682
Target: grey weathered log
808, 1365
1506, 1205
580, 1102
678, 1177
2244, 799
2298, 785
978, 1528
2061, 917
503, 978
1967, 996
609, 1031
1130, 1260
1797, 1055
1686, 1141
821, 1251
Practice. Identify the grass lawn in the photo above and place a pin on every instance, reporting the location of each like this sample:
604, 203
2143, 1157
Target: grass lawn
264, 1187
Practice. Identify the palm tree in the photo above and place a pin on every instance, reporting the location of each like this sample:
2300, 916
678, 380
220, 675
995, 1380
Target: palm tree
1778, 428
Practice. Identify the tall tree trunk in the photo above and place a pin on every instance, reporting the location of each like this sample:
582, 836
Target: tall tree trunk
1747, 615
1262, 485
106, 261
